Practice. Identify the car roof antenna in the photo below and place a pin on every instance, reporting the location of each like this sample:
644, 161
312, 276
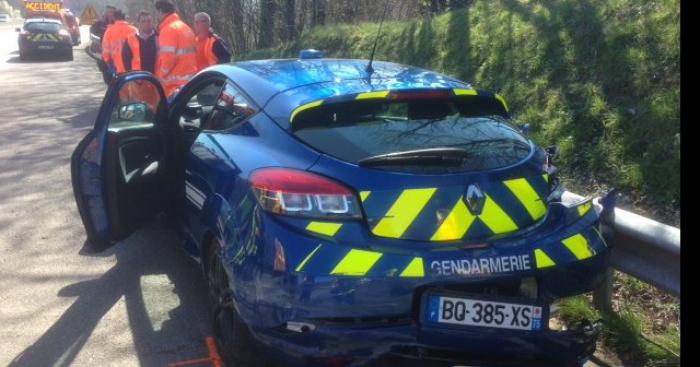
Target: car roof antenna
369, 68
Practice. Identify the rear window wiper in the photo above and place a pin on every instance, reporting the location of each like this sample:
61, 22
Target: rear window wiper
431, 156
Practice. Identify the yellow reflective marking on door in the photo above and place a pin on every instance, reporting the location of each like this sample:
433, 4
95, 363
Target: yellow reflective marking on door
542, 260
578, 245
546, 177
356, 263
464, 92
456, 224
364, 195
414, 268
527, 196
495, 218
584, 208
328, 229
372, 95
403, 212
304, 108
307, 258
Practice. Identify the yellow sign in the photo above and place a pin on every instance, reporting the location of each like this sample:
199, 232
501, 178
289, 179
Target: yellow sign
89, 16
40, 6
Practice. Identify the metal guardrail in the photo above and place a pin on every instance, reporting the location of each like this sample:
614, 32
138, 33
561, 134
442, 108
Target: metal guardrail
643, 248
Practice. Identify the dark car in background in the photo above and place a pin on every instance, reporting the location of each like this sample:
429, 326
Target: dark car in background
44, 36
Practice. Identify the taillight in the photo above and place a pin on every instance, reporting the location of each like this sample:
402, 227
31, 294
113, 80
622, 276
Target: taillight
303, 194
419, 95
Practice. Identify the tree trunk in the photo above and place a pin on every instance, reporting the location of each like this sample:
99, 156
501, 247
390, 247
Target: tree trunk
267, 23
289, 20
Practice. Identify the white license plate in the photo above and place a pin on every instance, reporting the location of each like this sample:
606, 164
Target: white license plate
473, 312
46, 47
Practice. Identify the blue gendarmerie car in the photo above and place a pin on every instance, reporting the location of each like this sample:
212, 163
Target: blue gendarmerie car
346, 217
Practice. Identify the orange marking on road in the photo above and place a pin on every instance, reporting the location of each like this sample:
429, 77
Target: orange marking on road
214, 358
213, 352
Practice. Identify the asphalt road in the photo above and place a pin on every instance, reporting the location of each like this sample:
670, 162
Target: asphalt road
141, 303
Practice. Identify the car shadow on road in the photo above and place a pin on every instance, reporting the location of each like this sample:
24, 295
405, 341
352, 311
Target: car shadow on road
151, 272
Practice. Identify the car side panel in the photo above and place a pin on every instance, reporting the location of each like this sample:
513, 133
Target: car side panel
218, 197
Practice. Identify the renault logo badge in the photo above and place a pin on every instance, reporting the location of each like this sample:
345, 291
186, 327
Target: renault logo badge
475, 199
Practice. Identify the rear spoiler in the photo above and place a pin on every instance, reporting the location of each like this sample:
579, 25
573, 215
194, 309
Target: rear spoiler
399, 95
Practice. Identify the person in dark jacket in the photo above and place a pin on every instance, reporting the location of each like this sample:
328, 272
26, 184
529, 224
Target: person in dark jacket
211, 49
99, 29
141, 49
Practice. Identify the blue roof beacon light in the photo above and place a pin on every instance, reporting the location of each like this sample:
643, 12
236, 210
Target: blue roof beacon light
310, 53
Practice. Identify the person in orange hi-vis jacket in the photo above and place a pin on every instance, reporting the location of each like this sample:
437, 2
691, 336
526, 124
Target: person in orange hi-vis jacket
177, 50
211, 49
112, 44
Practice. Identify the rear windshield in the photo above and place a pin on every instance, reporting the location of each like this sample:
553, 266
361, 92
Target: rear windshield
356, 131
42, 27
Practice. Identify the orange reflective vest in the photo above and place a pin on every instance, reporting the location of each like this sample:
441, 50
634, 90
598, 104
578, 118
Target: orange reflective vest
177, 49
135, 47
113, 43
205, 51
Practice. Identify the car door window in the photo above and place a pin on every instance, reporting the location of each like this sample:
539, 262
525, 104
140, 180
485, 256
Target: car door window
232, 108
200, 106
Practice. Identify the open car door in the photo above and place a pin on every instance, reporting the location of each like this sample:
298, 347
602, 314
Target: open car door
122, 171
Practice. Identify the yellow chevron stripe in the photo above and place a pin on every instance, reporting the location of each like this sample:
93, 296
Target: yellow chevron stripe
502, 100
328, 229
578, 245
546, 177
584, 208
364, 195
414, 268
456, 224
403, 212
372, 95
307, 258
495, 218
542, 260
464, 92
356, 263
303, 108
527, 196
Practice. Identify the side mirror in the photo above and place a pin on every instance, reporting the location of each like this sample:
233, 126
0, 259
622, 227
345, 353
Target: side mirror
133, 112
525, 129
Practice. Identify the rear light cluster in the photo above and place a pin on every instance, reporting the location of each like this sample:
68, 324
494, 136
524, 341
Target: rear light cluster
303, 194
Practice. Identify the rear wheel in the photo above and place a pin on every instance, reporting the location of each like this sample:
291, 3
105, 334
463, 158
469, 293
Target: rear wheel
232, 337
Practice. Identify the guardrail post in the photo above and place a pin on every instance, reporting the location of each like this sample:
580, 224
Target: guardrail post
602, 296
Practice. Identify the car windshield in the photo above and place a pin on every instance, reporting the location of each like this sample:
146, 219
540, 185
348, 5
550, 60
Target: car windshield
414, 133
47, 27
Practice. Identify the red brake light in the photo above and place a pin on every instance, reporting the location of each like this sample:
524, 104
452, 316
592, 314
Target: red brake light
412, 95
300, 193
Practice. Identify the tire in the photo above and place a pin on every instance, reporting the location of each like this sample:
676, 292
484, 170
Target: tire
69, 55
23, 56
232, 337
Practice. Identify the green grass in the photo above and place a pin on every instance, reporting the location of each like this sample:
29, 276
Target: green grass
599, 78
637, 333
